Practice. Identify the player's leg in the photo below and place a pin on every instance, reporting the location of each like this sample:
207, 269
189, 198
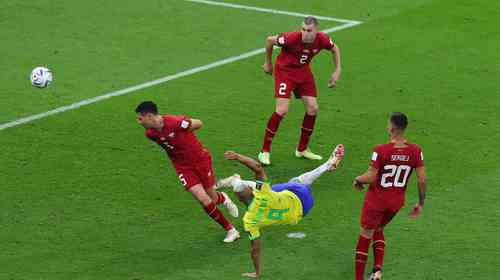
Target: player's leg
332, 163
371, 218
283, 87
308, 95
206, 174
211, 209
378, 244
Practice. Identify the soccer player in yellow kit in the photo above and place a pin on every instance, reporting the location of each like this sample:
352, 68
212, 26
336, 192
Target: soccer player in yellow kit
278, 204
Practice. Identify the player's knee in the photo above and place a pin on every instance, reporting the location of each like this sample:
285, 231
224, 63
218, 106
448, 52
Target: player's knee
282, 111
367, 233
312, 109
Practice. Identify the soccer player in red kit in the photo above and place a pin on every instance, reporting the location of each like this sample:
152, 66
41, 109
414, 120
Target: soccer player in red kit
388, 174
293, 74
192, 162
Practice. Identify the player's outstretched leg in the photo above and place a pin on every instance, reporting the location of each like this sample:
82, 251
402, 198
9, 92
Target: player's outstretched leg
331, 164
211, 209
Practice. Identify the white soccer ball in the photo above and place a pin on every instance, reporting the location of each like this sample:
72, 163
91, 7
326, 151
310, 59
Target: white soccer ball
41, 77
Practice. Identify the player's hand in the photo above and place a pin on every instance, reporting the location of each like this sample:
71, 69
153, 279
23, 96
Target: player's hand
333, 80
250, 275
416, 211
231, 155
357, 185
268, 68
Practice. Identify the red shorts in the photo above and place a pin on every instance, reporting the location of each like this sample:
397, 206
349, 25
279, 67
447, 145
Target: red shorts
378, 209
200, 172
300, 81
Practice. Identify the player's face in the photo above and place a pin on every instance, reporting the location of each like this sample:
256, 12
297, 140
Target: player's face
146, 120
308, 33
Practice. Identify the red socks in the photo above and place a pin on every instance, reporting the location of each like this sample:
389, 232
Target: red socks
361, 256
272, 127
307, 130
217, 216
378, 249
220, 198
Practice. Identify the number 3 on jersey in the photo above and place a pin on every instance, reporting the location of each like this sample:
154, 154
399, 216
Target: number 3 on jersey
396, 177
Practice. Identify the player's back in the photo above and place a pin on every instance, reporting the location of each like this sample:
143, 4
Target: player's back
181, 144
395, 165
269, 208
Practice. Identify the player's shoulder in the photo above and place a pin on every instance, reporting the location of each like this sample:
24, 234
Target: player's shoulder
287, 38
150, 133
382, 147
323, 35
414, 147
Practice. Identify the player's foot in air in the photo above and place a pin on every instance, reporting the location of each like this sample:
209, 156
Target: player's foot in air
227, 182
308, 155
231, 236
264, 158
376, 275
336, 157
230, 206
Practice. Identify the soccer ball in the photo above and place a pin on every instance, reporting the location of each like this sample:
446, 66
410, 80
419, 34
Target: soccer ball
41, 77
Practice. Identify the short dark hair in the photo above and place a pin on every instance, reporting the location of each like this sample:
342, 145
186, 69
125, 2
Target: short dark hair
399, 120
311, 20
147, 107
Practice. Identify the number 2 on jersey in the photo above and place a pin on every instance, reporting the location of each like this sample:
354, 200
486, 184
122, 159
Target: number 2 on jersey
398, 174
282, 90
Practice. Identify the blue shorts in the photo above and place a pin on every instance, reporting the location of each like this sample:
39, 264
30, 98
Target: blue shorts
302, 191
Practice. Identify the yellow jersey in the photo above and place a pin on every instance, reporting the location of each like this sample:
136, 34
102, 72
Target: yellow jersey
271, 208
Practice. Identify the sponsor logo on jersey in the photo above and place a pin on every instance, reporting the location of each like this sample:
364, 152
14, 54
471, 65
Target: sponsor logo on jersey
162, 139
315, 50
400, 158
307, 51
171, 135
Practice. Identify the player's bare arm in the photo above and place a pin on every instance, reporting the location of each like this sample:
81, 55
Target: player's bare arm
417, 209
338, 66
256, 167
195, 124
365, 178
271, 41
255, 253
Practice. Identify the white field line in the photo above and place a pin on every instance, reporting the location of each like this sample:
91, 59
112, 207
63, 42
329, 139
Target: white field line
272, 11
31, 118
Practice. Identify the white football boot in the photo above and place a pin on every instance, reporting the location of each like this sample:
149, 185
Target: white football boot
264, 158
227, 182
308, 155
377, 275
336, 157
231, 236
230, 206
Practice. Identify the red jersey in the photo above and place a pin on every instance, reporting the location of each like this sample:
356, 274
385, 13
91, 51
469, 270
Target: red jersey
294, 53
182, 146
395, 166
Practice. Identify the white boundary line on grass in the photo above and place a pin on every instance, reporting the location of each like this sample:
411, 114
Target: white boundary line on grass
31, 118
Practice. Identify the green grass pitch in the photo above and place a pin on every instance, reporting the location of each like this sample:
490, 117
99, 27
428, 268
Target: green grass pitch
86, 196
